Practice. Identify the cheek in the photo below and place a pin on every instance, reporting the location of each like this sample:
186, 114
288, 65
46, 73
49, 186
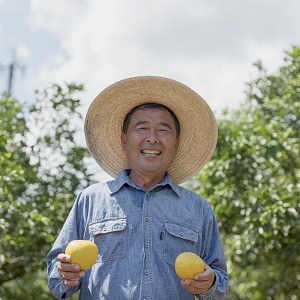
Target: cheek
172, 144
134, 139
129, 144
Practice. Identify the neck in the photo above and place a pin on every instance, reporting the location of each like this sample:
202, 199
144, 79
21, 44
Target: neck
146, 182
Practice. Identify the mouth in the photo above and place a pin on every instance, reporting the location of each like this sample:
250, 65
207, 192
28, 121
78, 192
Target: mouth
151, 152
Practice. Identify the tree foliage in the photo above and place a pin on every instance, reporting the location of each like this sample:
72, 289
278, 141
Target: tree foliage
41, 167
253, 183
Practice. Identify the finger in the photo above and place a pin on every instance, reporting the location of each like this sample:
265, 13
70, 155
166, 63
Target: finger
202, 277
191, 284
208, 274
68, 267
71, 275
193, 287
63, 257
203, 285
71, 283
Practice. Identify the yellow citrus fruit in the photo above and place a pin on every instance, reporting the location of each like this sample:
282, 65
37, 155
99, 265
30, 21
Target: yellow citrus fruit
83, 253
188, 264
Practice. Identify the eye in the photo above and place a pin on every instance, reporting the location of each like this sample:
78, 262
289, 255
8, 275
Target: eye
163, 131
141, 130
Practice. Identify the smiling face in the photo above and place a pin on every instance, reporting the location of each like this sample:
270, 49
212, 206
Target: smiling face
150, 144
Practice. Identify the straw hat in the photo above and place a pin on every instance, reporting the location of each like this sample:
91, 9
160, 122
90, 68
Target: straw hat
105, 116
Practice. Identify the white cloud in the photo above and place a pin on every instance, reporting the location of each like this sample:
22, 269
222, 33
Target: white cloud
55, 15
209, 46
23, 53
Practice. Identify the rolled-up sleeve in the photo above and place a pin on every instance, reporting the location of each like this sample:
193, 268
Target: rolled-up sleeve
213, 255
70, 231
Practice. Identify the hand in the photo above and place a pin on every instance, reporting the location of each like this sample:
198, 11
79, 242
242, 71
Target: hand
201, 282
69, 273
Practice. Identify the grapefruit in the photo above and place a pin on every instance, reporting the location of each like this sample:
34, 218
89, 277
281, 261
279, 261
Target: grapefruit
83, 253
188, 264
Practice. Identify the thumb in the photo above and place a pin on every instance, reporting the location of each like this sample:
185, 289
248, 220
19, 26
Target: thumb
63, 257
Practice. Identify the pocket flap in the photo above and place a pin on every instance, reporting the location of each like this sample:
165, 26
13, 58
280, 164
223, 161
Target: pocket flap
107, 226
182, 231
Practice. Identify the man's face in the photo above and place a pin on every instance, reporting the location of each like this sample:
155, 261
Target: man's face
150, 143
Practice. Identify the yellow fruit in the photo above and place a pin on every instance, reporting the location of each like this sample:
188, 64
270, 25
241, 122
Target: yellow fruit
188, 264
83, 253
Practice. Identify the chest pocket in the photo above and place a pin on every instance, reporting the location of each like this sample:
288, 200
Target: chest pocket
177, 239
111, 238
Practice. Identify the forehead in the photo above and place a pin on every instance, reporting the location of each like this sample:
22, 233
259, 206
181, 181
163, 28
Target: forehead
153, 114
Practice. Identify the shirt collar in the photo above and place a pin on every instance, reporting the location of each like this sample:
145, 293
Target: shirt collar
123, 179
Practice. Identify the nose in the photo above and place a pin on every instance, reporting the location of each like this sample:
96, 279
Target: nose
152, 137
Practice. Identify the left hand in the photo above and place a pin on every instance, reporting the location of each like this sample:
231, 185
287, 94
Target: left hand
201, 282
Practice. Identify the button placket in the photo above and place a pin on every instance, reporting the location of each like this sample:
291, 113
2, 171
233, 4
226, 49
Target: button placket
147, 237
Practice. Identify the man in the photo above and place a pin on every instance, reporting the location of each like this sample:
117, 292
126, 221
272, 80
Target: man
150, 133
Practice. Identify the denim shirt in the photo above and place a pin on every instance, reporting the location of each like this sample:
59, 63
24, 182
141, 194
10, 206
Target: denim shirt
139, 234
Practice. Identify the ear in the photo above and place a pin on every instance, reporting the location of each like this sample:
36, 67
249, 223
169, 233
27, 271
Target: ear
123, 140
177, 143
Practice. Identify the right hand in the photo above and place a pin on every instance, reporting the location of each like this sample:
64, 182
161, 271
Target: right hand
69, 273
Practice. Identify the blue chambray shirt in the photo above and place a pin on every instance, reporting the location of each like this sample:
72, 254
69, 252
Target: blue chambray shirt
139, 234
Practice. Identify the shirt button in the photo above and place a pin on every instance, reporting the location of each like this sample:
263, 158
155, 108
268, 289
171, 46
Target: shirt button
148, 194
146, 272
181, 233
147, 245
146, 219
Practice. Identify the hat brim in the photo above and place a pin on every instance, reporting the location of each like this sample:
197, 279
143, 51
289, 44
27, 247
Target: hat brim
105, 116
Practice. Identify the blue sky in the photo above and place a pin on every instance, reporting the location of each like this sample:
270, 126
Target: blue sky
208, 45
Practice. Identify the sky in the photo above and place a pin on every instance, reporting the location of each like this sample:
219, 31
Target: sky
210, 46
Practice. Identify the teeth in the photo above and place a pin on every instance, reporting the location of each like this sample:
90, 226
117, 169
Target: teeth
151, 152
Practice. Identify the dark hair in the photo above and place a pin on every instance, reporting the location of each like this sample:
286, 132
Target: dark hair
146, 106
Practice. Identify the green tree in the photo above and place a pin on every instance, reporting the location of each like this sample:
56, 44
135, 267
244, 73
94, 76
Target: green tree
41, 168
253, 183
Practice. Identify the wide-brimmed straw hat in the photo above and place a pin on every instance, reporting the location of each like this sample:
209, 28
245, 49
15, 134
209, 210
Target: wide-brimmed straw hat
105, 116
